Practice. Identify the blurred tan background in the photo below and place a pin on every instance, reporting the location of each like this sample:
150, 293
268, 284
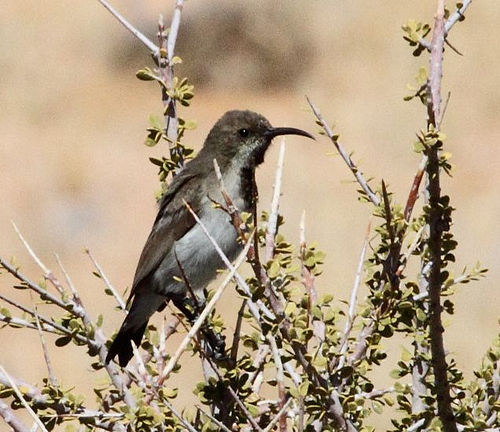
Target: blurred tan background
74, 172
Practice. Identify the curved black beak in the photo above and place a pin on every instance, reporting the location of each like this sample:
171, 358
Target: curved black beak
274, 132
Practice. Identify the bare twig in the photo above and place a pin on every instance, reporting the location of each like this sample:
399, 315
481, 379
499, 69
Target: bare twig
347, 159
436, 66
75, 307
452, 20
165, 57
353, 300
10, 418
144, 377
176, 413
415, 426
149, 44
44, 294
374, 393
456, 16
108, 284
167, 329
21, 399
174, 30
47, 273
48, 325
213, 419
254, 377
237, 332
413, 195
69, 282
272, 223
335, 408
19, 322
280, 379
280, 416
419, 370
296, 378
424, 43
50, 371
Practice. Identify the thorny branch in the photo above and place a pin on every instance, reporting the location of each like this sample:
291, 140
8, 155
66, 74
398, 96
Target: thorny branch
435, 232
11, 419
165, 58
458, 15
150, 45
75, 307
347, 159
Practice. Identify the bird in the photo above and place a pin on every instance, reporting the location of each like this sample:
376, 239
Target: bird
177, 249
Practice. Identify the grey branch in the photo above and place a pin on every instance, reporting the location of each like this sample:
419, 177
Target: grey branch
272, 223
452, 20
353, 300
278, 416
174, 30
456, 16
149, 44
10, 418
374, 393
50, 370
108, 284
44, 294
166, 66
280, 379
47, 273
47, 326
21, 399
347, 159
213, 419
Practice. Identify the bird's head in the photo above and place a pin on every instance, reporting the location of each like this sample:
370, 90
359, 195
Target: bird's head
245, 136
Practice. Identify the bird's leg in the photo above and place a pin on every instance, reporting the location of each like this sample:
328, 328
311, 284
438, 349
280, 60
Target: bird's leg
190, 308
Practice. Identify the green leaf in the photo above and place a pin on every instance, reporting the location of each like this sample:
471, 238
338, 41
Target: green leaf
406, 355
395, 374
146, 74
5, 312
304, 388
377, 407
62, 341
274, 270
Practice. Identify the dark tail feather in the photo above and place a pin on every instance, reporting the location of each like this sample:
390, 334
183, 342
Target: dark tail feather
132, 329
122, 345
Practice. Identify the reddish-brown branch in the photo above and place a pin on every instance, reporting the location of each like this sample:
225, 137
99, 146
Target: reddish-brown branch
415, 186
433, 277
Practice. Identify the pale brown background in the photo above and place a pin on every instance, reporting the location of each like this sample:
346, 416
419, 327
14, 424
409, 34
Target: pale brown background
74, 172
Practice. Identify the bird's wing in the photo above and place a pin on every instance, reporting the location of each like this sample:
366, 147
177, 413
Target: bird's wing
172, 222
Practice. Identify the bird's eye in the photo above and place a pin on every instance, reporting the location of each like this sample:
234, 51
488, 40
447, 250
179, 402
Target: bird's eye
243, 132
